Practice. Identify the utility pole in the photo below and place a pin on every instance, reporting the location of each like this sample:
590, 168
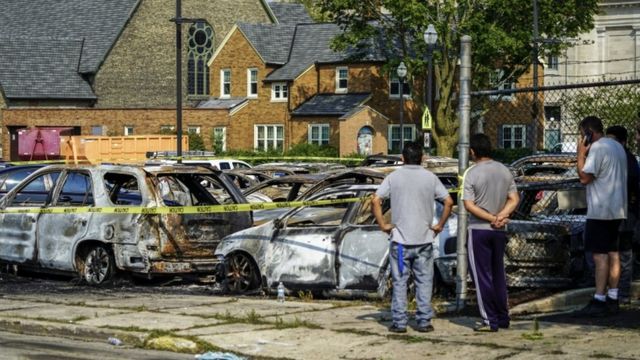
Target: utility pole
534, 60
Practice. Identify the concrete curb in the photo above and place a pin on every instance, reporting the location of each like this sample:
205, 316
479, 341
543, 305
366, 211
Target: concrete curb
565, 301
72, 331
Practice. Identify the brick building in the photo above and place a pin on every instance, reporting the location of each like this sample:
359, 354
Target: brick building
289, 87
108, 66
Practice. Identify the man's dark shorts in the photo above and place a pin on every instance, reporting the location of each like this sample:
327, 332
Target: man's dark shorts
601, 236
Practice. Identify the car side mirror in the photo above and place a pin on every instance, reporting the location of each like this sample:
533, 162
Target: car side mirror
277, 223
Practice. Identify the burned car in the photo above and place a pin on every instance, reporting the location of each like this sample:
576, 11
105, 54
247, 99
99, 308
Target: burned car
246, 178
330, 248
94, 244
544, 237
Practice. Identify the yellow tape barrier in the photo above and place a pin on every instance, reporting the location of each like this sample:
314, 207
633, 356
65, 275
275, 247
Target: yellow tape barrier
195, 157
175, 209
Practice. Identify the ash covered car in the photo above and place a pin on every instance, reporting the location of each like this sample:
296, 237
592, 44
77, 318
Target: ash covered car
332, 248
94, 244
544, 237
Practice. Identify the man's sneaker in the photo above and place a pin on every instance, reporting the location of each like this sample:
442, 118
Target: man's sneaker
595, 308
485, 328
396, 329
613, 306
424, 328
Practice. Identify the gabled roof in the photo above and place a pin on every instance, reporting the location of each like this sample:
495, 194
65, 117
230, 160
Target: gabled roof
331, 104
42, 68
312, 43
290, 14
98, 22
272, 42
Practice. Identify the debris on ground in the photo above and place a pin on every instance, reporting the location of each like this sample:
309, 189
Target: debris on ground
218, 356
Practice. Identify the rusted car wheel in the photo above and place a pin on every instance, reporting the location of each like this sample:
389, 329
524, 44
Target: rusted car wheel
241, 274
98, 266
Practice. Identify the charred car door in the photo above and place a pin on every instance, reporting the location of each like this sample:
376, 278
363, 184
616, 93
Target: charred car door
57, 234
302, 253
18, 231
363, 248
195, 235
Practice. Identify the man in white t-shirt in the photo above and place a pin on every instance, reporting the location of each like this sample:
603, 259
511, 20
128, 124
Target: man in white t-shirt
602, 167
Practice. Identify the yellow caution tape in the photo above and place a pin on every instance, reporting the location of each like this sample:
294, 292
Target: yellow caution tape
194, 157
207, 209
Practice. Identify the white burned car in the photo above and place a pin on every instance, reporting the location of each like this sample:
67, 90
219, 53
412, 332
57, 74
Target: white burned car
331, 248
95, 245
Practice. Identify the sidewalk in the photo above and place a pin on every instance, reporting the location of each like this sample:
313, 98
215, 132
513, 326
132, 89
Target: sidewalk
265, 329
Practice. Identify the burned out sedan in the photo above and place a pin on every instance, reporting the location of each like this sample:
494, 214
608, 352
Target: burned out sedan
94, 244
544, 237
332, 248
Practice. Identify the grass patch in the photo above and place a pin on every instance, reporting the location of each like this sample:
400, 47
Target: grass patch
601, 356
356, 332
536, 334
305, 296
410, 339
80, 318
556, 352
296, 323
126, 328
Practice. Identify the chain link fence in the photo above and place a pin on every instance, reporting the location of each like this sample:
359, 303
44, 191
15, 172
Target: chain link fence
535, 132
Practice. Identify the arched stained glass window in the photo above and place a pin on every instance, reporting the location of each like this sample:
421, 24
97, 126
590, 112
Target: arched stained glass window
201, 38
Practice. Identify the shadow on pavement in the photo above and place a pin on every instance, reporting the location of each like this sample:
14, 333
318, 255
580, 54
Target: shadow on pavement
627, 318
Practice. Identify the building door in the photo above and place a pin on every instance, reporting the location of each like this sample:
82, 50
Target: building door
365, 141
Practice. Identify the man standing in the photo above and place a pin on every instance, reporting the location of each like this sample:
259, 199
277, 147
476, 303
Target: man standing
602, 167
627, 228
413, 191
490, 196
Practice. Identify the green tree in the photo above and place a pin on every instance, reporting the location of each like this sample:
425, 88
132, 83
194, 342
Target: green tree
196, 142
615, 105
501, 32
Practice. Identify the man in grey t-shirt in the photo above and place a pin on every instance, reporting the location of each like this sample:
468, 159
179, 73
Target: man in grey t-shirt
413, 191
490, 195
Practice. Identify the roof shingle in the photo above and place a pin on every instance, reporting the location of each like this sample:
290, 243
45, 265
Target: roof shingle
290, 14
42, 68
98, 22
271, 41
331, 104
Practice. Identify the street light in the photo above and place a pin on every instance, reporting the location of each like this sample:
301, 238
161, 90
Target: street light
430, 38
402, 73
179, 20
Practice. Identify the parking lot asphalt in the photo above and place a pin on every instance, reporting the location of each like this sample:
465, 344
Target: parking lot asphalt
304, 328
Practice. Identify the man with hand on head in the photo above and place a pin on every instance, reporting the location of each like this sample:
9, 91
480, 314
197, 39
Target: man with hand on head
602, 167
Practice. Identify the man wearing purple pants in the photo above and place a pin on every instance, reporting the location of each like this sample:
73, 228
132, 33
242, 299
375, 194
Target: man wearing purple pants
490, 196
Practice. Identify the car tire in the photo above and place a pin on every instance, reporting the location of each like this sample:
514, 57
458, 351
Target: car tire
98, 265
240, 274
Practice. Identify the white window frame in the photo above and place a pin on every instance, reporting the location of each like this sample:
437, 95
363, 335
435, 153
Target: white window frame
390, 135
193, 129
223, 82
223, 130
320, 140
250, 82
279, 91
553, 63
128, 130
512, 138
393, 79
504, 85
274, 141
339, 89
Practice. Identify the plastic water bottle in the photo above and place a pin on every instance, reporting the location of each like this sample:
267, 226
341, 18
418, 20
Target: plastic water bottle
114, 341
280, 292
